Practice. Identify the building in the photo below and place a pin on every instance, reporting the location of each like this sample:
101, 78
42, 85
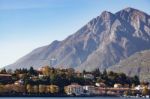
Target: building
5, 77
9, 88
88, 76
34, 78
19, 82
19, 88
74, 89
53, 89
138, 87
40, 76
89, 89
100, 91
118, 85
100, 85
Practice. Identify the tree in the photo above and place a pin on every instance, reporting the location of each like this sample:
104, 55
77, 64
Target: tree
122, 78
145, 91
9, 71
105, 77
104, 73
21, 71
46, 71
32, 71
84, 72
3, 71
136, 80
96, 73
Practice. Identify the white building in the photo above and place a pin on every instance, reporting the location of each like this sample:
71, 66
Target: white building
74, 89
89, 90
117, 85
19, 82
88, 76
41, 76
100, 85
139, 87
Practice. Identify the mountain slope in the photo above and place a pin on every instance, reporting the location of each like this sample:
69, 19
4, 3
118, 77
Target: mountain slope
126, 36
137, 64
101, 43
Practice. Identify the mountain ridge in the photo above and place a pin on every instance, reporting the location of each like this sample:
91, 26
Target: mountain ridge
101, 43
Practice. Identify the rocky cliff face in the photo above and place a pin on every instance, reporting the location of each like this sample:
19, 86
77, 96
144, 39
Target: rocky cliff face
101, 43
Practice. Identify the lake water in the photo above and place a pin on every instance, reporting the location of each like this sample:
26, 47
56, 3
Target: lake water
68, 98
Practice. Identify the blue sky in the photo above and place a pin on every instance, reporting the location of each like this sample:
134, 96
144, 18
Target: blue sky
28, 24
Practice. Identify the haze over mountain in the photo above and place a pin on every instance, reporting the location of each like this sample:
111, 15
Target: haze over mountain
101, 43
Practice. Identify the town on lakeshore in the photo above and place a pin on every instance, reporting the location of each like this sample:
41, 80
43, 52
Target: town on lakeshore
48, 81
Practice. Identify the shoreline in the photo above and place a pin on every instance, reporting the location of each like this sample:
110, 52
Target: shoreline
58, 96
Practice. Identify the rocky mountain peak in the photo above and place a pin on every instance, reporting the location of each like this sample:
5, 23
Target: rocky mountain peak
129, 9
130, 14
106, 16
101, 43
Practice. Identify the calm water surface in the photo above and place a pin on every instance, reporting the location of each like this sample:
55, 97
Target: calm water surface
70, 98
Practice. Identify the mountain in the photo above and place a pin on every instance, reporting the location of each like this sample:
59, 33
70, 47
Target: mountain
137, 64
101, 43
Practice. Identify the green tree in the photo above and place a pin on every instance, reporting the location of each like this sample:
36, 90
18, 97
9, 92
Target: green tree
96, 73
32, 71
3, 71
136, 80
